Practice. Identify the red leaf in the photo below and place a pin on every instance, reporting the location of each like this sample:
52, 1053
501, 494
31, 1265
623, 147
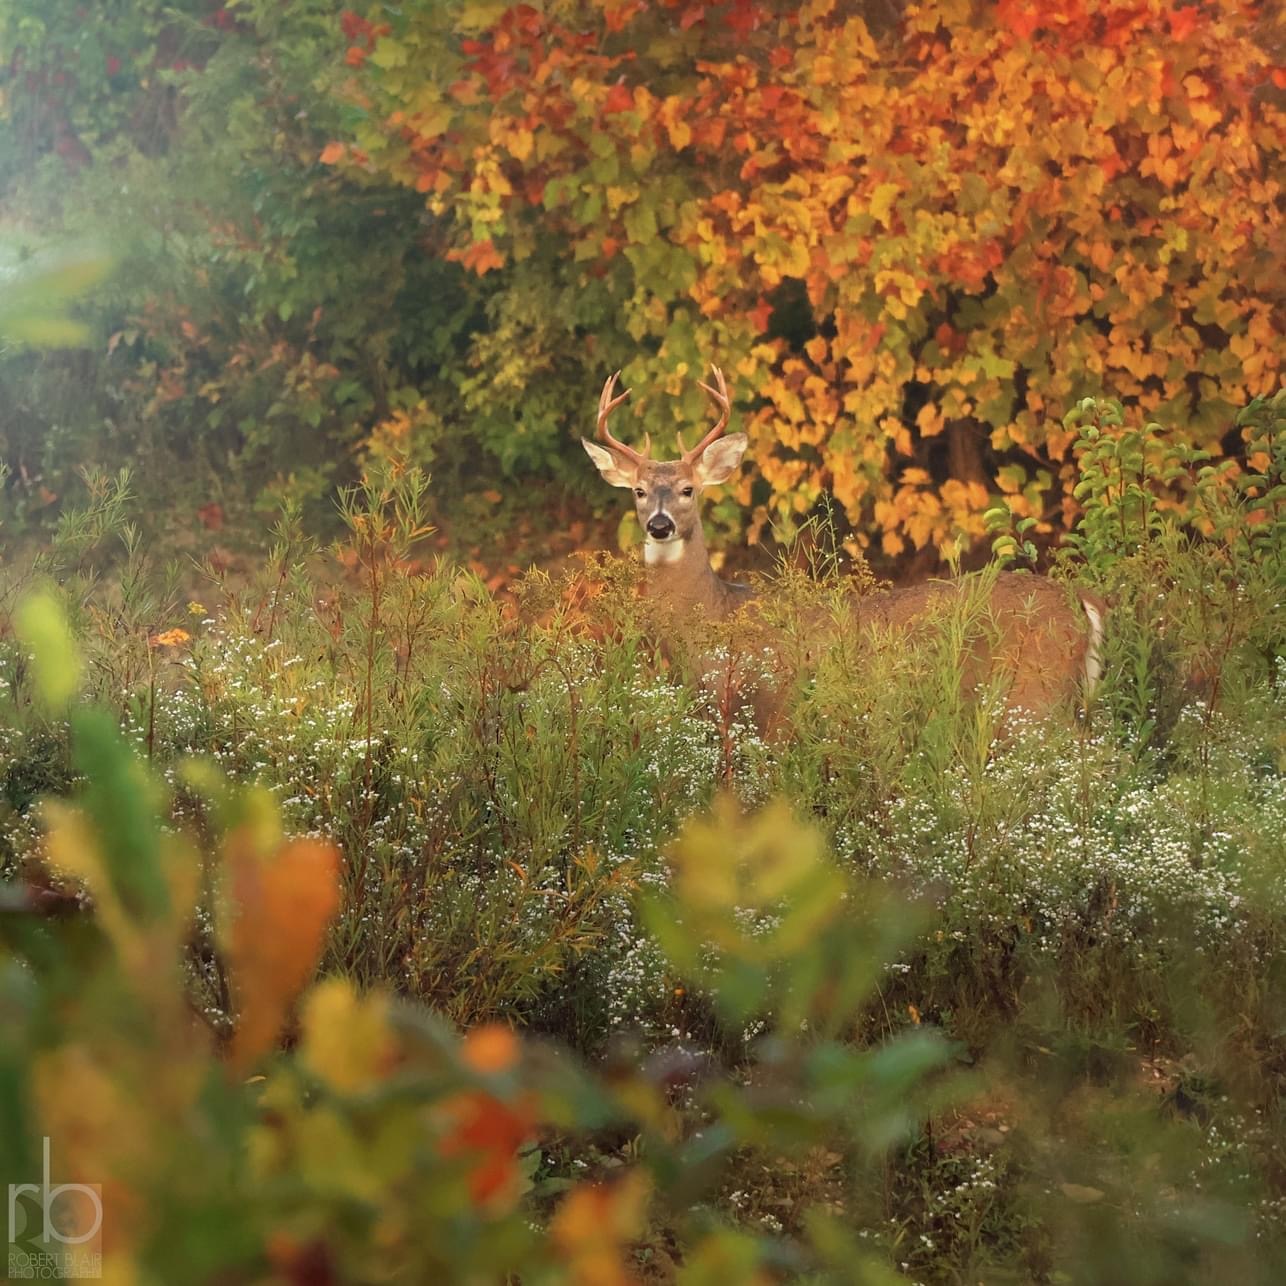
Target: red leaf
481, 257
353, 25
488, 1132
1183, 21
1022, 17
620, 99
211, 516
1111, 166
742, 18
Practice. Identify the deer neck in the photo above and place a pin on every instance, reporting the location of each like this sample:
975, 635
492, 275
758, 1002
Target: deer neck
678, 572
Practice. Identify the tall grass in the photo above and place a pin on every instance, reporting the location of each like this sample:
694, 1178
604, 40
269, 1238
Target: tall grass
1101, 898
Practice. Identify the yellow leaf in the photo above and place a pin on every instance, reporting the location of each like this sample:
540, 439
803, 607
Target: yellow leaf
796, 260
881, 204
929, 420
1081, 1194
333, 1159
169, 638
101, 1134
520, 143
346, 1037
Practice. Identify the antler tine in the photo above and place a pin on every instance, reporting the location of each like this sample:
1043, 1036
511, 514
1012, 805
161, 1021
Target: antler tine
606, 405
719, 395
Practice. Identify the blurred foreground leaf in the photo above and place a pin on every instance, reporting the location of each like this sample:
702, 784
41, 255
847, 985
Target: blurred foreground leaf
41, 624
35, 293
277, 909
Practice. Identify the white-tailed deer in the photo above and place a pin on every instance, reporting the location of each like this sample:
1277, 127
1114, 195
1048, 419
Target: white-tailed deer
1043, 642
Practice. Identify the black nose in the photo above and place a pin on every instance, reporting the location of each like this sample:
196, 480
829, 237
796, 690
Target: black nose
659, 527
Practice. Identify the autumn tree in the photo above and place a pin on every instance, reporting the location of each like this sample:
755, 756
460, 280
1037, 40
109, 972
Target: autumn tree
912, 246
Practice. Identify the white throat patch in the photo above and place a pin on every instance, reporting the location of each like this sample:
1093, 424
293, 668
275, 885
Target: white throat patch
661, 553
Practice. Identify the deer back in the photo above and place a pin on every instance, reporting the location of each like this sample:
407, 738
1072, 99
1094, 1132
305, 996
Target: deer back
1034, 636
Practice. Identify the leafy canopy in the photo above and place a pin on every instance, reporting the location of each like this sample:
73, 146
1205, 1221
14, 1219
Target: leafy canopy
914, 249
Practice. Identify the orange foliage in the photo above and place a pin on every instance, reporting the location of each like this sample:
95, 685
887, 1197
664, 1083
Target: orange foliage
593, 1227
987, 216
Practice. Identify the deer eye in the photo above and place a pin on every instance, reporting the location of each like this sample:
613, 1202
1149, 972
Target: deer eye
687, 491
638, 491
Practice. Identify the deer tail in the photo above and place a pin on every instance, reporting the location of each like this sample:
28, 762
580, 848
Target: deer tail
1095, 610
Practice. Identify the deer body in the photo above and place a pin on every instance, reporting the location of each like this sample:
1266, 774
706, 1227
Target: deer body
1036, 637
1042, 641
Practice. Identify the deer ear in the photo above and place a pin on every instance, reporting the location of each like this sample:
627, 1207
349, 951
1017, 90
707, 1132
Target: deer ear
720, 458
611, 464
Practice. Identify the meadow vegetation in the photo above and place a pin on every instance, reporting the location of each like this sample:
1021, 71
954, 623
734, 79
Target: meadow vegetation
907, 989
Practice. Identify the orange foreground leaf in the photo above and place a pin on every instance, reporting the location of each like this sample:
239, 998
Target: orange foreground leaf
490, 1048
280, 906
595, 1224
488, 1131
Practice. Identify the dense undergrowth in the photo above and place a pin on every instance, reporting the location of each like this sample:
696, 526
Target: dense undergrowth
1064, 940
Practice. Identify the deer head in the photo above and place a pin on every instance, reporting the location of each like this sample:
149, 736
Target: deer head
666, 492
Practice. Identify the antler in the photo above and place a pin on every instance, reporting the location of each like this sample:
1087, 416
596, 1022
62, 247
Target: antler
719, 395
606, 405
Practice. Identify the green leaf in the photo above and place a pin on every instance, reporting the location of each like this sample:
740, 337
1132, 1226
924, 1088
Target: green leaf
640, 222
479, 15
389, 54
996, 367
975, 193
41, 625
119, 798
